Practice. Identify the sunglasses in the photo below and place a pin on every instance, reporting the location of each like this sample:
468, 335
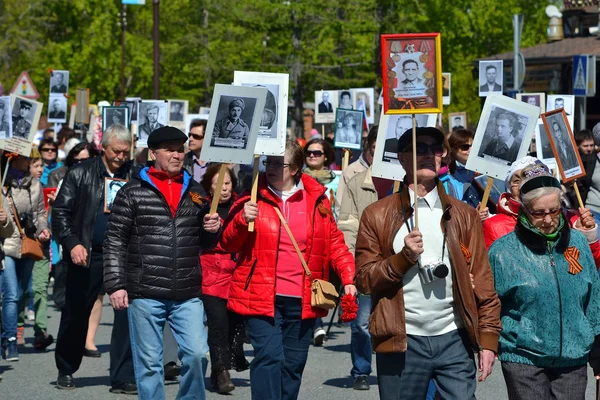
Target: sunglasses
47, 149
542, 213
313, 153
196, 137
78, 160
424, 148
274, 164
464, 147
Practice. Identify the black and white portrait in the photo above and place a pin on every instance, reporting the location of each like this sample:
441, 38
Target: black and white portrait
364, 99
111, 188
268, 122
57, 108
233, 122
176, 111
503, 135
152, 115
457, 121
398, 124
534, 99
325, 105
411, 82
135, 101
490, 77
556, 101
346, 99
326, 102
446, 87
5, 118
348, 129
59, 82
543, 147
23, 115
564, 144
114, 115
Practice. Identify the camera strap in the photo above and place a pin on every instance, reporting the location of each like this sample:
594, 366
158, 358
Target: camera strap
410, 227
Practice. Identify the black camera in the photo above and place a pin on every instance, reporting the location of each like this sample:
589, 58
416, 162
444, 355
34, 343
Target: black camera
26, 221
433, 271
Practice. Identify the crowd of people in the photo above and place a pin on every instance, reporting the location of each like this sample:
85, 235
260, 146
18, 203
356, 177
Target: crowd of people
439, 298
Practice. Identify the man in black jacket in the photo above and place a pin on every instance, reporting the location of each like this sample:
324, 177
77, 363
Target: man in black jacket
79, 222
157, 228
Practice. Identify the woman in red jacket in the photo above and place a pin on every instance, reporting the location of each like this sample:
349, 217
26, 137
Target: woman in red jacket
269, 285
225, 329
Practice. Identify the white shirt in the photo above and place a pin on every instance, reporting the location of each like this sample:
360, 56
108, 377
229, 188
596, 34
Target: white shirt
428, 307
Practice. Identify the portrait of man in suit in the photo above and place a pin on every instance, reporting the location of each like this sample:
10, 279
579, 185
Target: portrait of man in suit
390, 150
504, 146
412, 85
57, 111
325, 106
58, 85
151, 123
564, 147
490, 83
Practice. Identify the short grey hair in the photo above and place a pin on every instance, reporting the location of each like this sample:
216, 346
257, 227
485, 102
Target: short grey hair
528, 198
117, 132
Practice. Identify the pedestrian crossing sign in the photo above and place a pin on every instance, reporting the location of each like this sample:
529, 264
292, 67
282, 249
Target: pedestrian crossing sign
24, 87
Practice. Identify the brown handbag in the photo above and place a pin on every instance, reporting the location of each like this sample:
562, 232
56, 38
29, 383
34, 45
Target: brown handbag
323, 293
30, 248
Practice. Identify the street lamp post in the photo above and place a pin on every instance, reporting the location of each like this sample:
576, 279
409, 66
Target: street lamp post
155, 36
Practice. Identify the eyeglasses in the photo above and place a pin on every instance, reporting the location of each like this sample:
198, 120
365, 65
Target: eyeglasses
78, 160
424, 148
464, 147
48, 149
274, 164
197, 137
313, 153
542, 213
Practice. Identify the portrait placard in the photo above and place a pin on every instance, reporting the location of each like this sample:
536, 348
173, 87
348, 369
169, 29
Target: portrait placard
412, 71
535, 99
152, 114
111, 188
490, 77
82, 101
134, 110
543, 148
326, 101
25, 118
364, 99
115, 115
457, 120
446, 88
5, 118
273, 124
125, 103
392, 127
566, 101
178, 110
348, 129
59, 82
57, 108
233, 123
191, 118
563, 145
503, 135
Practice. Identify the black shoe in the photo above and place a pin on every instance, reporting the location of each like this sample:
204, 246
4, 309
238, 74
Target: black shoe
124, 388
361, 382
65, 382
172, 371
223, 382
92, 353
42, 341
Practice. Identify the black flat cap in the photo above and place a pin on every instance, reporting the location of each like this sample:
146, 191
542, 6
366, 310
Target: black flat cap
164, 135
406, 138
25, 104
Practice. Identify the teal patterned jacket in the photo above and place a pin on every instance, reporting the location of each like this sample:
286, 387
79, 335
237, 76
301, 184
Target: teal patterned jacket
549, 315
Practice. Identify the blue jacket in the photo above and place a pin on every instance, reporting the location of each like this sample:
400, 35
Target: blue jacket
549, 316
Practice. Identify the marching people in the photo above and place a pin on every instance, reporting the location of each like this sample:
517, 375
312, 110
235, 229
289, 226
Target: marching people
49, 152
546, 279
192, 163
225, 329
79, 222
158, 226
269, 285
428, 318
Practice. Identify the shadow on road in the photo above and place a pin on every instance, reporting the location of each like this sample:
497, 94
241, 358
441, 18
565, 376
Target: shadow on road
344, 348
88, 381
347, 382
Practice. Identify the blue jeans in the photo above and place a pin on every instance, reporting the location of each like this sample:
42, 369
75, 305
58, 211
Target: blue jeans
147, 319
280, 350
361, 349
17, 274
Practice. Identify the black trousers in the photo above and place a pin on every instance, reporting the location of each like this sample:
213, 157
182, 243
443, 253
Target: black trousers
225, 334
82, 289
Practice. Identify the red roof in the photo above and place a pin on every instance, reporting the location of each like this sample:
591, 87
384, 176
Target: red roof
559, 50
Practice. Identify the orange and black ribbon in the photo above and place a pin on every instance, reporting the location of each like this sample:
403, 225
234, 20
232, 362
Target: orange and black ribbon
572, 256
466, 253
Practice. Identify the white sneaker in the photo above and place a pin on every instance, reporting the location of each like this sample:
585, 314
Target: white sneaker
30, 315
319, 336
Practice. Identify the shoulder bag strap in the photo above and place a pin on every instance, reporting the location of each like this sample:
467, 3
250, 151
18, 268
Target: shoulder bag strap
289, 232
16, 214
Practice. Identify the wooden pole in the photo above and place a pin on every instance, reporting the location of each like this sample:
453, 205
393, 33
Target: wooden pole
8, 160
578, 194
414, 153
396, 187
322, 131
486, 193
254, 192
217, 193
345, 159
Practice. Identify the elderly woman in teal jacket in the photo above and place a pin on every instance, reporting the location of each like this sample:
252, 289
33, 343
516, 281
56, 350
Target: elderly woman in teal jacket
546, 279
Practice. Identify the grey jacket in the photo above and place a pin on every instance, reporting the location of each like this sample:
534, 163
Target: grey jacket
28, 197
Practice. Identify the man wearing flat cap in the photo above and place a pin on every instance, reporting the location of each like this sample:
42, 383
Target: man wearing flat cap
21, 126
233, 127
158, 226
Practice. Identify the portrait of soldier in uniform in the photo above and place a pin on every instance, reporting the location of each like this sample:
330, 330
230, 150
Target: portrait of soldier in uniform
4, 119
22, 121
233, 127
58, 82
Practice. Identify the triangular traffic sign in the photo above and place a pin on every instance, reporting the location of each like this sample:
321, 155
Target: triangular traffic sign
24, 87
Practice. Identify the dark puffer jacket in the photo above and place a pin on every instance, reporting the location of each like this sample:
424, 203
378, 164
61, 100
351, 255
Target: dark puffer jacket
147, 251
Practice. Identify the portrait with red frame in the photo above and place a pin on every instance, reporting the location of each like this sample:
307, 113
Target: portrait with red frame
412, 73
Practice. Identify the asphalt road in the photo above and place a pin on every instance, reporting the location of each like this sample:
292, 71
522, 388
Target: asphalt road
326, 375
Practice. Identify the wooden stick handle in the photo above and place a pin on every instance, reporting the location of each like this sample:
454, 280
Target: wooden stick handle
254, 192
396, 187
414, 159
217, 193
345, 159
578, 194
486, 193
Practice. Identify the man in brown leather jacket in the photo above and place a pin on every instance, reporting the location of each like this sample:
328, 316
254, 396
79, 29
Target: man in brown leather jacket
427, 318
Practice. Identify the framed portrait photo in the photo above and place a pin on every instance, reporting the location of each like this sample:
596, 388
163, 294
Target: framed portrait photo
326, 101
134, 109
273, 124
446, 88
178, 110
25, 114
115, 115
125, 103
152, 114
535, 99
364, 99
82, 111
543, 148
412, 71
5, 118
233, 124
59, 82
563, 145
503, 135
57, 108
490, 77
457, 120
348, 129
111, 188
